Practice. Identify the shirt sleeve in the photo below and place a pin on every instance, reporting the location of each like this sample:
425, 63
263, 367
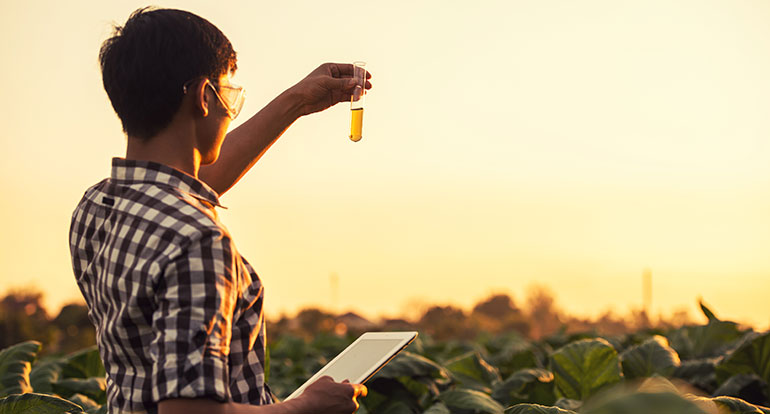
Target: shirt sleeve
193, 321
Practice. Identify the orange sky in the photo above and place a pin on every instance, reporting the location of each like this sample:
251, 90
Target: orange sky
570, 144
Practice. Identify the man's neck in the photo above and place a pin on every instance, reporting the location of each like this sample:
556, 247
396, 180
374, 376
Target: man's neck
170, 147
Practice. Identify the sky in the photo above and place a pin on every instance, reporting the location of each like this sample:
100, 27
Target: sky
507, 144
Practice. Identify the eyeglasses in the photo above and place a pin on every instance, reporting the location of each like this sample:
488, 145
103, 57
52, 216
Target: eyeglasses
231, 96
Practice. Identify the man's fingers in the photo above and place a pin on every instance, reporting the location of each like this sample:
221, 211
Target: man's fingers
339, 70
359, 390
344, 70
345, 85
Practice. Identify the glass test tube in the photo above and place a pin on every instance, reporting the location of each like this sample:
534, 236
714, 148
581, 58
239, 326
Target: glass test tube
357, 101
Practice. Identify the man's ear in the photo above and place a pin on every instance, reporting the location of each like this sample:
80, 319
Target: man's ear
200, 99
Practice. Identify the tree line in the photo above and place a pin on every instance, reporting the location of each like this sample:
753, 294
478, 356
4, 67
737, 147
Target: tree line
23, 317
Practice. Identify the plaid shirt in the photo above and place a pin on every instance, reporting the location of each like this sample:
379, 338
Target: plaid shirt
178, 312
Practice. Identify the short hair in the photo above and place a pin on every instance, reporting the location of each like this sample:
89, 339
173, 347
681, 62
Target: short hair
146, 63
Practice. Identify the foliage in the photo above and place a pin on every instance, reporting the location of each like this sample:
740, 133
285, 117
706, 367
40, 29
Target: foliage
66, 384
464, 401
32, 403
23, 317
646, 402
650, 370
751, 357
526, 408
653, 356
583, 367
561, 373
15, 365
529, 384
472, 371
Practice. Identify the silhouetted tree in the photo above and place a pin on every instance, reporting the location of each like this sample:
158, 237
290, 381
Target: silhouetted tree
498, 314
544, 318
74, 329
23, 318
447, 322
311, 321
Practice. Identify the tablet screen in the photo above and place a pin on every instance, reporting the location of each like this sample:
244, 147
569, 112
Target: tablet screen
361, 359
361, 356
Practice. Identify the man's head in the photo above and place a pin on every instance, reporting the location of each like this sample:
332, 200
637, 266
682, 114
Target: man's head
147, 63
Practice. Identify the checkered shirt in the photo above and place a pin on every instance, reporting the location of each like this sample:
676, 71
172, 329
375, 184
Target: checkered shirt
178, 312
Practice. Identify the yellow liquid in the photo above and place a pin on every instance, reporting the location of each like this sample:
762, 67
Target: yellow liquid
356, 123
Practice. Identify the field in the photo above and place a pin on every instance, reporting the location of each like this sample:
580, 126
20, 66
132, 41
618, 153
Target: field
717, 367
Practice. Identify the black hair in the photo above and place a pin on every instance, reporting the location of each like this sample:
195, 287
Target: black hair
146, 63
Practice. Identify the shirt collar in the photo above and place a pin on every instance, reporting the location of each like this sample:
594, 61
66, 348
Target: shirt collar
137, 171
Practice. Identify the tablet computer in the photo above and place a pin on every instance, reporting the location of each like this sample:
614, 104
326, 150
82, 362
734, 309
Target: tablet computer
362, 359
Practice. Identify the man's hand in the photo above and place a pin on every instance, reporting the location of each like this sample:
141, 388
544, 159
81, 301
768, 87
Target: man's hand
326, 86
328, 397
322, 397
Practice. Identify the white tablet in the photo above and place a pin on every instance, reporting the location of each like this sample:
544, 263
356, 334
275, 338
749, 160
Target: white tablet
362, 359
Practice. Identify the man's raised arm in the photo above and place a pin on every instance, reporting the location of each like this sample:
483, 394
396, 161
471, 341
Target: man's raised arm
326, 86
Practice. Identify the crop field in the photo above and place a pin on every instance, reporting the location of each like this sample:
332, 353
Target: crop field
716, 367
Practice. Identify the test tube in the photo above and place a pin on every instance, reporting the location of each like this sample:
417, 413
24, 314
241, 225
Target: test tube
357, 101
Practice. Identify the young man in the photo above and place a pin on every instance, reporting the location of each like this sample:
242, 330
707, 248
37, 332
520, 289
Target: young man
178, 311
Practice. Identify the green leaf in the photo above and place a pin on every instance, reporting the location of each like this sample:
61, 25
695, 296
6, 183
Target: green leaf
752, 357
407, 364
583, 367
699, 372
706, 311
438, 408
384, 393
93, 388
568, 404
103, 410
748, 387
644, 403
526, 385
653, 356
472, 371
395, 407
734, 405
442, 351
470, 401
31, 403
536, 409
85, 363
83, 401
44, 374
703, 341
15, 365
513, 353
657, 383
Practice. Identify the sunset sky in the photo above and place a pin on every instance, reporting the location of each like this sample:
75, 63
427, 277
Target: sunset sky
568, 143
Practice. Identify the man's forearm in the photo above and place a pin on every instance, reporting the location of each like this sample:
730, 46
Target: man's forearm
245, 145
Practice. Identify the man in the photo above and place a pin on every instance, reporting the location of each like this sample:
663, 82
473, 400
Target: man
178, 311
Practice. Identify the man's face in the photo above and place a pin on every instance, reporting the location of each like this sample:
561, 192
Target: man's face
218, 121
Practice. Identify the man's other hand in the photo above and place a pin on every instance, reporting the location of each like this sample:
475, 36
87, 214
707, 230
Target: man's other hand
328, 85
322, 397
